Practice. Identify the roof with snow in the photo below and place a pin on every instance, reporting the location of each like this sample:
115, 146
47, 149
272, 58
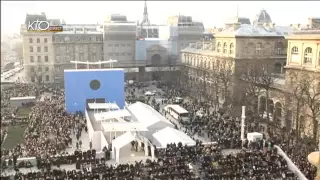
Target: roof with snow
256, 30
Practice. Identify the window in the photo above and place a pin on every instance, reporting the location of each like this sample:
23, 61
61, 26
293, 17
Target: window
116, 45
32, 79
67, 39
32, 69
308, 55
123, 54
231, 48
39, 59
319, 58
47, 69
219, 47
38, 49
45, 40
45, 49
38, 40
94, 57
31, 59
67, 48
116, 54
47, 77
81, 48
46, 59
129, 54
258, 49
295, 50
58, 59
30, 40
31, 49
109, 45
225, 48
122, 45
128, 45
94, 48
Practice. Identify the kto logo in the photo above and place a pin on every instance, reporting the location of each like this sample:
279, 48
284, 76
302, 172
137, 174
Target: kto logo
43, 26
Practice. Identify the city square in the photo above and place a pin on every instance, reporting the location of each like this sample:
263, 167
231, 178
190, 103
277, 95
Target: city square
133, 100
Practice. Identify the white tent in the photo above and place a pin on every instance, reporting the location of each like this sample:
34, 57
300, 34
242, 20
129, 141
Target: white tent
119, 142
148, 116
170, 135
112, 115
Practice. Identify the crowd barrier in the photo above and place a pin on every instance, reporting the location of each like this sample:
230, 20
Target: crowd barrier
292, 167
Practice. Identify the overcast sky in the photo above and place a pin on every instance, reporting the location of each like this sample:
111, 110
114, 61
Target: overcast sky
211, 13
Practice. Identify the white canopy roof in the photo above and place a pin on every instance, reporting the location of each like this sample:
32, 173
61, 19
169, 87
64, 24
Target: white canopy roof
169, 135
123, 140
146, 114
123, 127
111, 114
103, 106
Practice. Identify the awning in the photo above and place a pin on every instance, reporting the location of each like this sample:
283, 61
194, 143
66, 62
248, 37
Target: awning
103, 106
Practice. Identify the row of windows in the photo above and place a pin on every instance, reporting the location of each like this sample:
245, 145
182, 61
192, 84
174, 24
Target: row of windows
34, 78
39, 69
77, 38
229, 49
31, 49
307, 56
39, 59
119, 54
81, 57
80, 48
225, 48
45, 40
119, 45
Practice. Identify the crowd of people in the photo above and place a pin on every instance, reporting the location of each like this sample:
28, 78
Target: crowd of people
50, 130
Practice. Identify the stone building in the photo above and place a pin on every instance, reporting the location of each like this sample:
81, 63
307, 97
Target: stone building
302, 71
119, 40
77, 42
38, 59
236, 46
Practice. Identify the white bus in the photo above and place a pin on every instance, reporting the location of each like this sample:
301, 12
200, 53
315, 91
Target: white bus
177, 112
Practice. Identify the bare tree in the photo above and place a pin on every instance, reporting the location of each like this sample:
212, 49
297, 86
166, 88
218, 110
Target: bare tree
18, 48
298, 90
267, 79
313, 102
253, 89
225, 74
38, 75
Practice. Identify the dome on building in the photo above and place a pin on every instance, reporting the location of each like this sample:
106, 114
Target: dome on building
263, 17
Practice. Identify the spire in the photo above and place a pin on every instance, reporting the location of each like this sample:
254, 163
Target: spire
145, 20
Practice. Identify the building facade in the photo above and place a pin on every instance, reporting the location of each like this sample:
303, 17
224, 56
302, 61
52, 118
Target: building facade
236, 48
81, 43
119, 40
297, 102
38, 58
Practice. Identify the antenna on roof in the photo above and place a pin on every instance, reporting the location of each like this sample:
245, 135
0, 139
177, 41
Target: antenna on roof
237, 10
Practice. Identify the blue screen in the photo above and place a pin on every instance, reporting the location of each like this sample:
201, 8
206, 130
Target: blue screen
78, 89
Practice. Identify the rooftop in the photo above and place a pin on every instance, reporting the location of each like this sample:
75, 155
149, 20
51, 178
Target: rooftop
256, 30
